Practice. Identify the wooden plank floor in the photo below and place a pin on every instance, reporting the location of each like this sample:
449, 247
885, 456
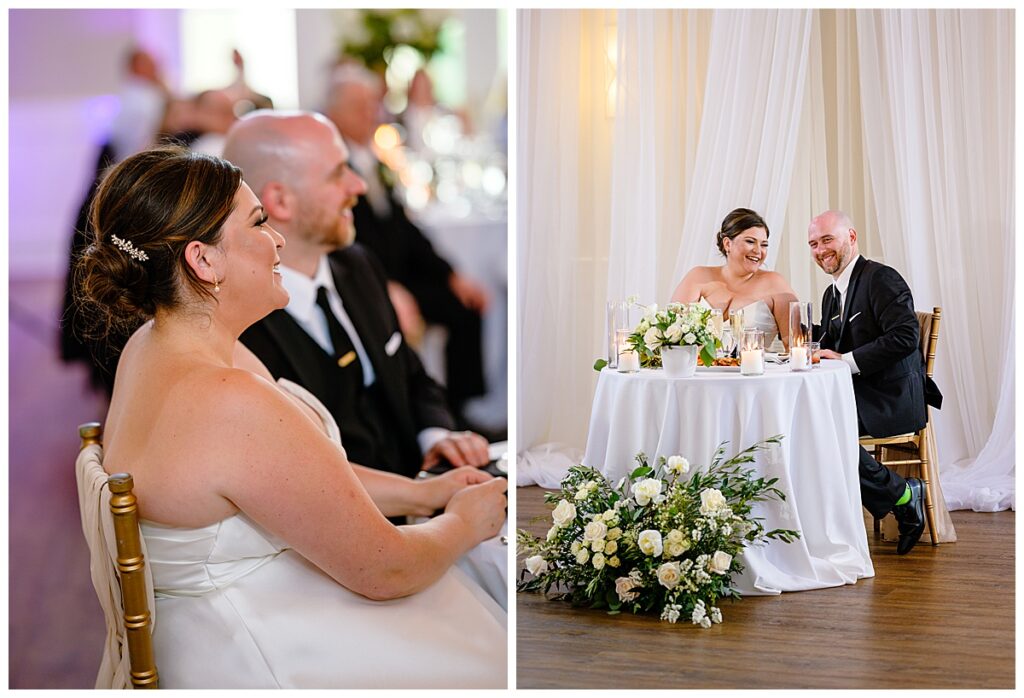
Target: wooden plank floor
940, 617
55, 625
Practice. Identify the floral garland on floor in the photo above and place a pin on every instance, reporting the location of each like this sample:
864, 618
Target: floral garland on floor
656, 541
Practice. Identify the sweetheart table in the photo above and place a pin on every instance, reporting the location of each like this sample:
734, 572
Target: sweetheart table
816, 463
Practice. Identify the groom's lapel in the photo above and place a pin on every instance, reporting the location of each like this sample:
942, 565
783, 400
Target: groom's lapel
851, 294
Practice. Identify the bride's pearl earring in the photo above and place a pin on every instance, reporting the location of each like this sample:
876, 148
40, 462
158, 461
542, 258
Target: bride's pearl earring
216, 284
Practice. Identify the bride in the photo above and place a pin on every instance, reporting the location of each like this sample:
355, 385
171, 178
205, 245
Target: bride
740, 284
273, 561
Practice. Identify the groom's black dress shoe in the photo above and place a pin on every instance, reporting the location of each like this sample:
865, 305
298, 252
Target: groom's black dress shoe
910, 517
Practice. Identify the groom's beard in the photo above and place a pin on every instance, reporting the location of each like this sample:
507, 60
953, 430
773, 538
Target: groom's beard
834, 261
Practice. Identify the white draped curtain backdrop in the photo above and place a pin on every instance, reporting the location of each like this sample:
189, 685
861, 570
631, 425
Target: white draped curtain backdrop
640, 129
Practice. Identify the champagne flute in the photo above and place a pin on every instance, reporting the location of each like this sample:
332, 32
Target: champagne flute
736, 320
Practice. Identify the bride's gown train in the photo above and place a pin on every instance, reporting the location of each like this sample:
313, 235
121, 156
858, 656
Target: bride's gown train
236, 607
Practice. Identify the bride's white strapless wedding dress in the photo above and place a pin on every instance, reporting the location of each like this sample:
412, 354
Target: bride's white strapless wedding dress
756, 315
236, 607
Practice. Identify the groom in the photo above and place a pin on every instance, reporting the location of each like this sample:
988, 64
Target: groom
868, 321
339, 336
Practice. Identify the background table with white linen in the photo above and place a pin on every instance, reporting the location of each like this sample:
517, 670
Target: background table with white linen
477, 246
816, 464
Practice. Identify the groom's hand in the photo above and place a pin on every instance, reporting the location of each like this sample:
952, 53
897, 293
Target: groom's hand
829, 354
460, 448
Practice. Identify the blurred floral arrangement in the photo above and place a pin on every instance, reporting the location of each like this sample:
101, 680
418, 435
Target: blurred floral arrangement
370, 34
658, 541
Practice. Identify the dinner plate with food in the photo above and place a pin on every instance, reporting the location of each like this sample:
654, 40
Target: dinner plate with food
725, 364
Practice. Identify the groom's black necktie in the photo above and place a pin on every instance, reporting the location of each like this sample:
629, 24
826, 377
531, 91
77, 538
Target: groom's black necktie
344, 350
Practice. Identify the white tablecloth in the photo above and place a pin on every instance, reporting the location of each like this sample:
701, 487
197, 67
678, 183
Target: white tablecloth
478, 247
816, 463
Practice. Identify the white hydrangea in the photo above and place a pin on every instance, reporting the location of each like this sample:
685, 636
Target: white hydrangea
671, 612
716, 614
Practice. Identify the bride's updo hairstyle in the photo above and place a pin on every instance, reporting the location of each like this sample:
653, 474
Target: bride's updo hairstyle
146, 211
736, 222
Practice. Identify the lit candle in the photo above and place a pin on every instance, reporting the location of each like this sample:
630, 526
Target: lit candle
629, 360
751, 362
798, 358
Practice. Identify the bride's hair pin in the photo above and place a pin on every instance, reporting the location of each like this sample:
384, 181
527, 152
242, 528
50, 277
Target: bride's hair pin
133, 251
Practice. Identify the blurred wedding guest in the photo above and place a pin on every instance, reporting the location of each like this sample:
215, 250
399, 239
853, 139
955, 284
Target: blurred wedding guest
339, 336
421, 109
868, 321
242, 95
214, 115
143, 101
273, 565
442, 295
143, 106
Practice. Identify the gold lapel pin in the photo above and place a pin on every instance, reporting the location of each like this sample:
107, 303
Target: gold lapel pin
348, 358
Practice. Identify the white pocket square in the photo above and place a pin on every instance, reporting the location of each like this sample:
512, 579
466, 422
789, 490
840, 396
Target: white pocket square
854, 317
392, 346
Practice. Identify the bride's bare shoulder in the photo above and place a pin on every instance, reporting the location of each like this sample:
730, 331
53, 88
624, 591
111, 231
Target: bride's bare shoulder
689, 289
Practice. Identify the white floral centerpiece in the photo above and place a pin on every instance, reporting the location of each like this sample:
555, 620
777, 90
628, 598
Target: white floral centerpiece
679, 324
664, 539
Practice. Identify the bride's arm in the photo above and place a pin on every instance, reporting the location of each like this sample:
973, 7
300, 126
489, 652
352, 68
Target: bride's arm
393, 494
396, 495
277, 467
688, 290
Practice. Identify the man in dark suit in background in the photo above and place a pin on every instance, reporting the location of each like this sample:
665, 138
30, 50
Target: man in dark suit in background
868, 321
442, 295
339, 336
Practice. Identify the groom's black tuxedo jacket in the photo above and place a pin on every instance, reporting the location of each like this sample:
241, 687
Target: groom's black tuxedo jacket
378, 424
880, 327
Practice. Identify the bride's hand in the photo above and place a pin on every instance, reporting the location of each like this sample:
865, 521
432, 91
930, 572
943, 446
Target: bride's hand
437, 491
481, 507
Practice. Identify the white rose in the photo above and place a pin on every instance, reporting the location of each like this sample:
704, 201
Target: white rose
624, 588
668, 575
720, 562
646, 490
564, 513
598, 561
652, 338
711, 500
675, 548
650, 543
613, 561
643, 326
599, 546
582, 556
609, 515
536, 565
552, 533
610, 547
575, 547
595, 530
678, 465
672, 333
614, 534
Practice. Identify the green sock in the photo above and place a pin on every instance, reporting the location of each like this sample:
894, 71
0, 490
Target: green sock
905, 498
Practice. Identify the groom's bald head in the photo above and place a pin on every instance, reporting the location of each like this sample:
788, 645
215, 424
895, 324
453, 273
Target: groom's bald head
833, 241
